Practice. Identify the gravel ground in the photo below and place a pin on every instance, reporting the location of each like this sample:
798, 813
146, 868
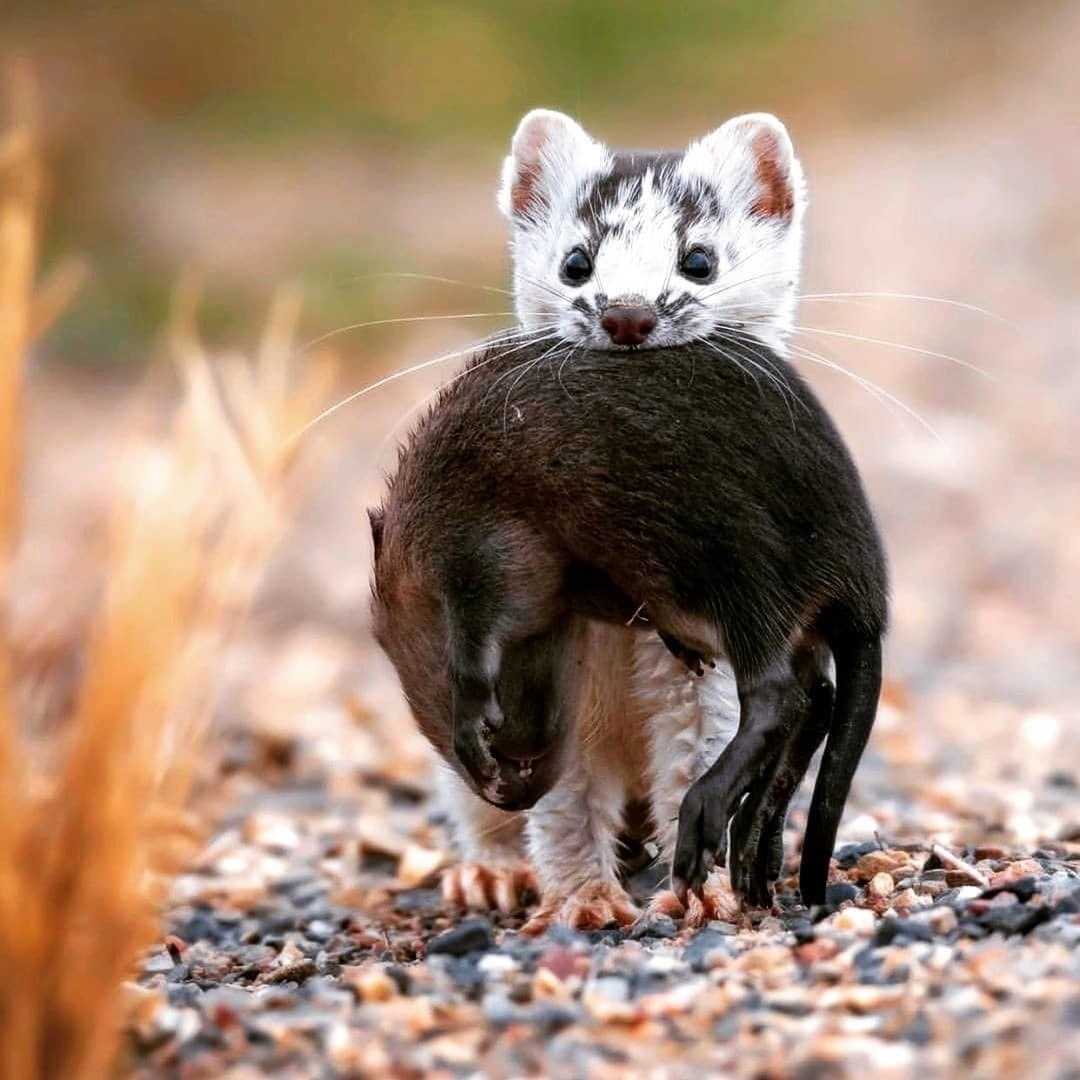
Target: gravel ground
309, 937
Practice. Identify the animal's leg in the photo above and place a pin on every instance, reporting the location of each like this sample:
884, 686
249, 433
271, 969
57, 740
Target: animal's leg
572, 831
493, 872
757, 841
709, 804
572, 834
689, 720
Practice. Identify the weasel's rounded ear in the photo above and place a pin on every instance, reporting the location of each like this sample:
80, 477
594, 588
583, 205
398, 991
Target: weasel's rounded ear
548, 154
752, 161
376, 517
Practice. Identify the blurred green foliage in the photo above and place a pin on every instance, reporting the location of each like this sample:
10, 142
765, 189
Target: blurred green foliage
137, 80
416, 70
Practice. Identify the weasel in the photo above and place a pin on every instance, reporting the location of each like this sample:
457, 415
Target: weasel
618, 252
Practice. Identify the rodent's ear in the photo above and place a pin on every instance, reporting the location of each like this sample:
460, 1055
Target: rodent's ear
752, 162
548, 154
376, 517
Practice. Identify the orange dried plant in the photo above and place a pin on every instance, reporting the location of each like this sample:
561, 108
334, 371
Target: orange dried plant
86, 833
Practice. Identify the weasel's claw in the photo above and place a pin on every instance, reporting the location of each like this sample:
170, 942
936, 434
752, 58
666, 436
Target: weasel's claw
480, 887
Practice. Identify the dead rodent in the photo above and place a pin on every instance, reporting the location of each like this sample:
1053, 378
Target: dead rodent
542, 519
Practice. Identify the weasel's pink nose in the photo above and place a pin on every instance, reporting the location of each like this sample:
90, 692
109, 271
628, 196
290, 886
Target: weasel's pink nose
628, 325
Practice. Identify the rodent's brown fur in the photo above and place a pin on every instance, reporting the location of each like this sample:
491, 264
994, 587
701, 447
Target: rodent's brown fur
662, 485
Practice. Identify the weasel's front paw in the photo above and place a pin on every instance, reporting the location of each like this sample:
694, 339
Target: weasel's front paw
591, 907
484, 888
715, 901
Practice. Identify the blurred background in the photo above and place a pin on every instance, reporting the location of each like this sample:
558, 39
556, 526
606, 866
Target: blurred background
345, 149
335, 147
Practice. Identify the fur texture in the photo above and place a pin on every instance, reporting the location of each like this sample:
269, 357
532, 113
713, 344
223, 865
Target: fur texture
737, 195
737, 530
645, 728
623, 721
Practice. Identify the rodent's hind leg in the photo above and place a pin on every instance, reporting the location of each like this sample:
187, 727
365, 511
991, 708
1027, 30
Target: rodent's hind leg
711, 801
757, 841
503, 615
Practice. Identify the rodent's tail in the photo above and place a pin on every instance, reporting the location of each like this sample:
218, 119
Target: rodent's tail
858, 684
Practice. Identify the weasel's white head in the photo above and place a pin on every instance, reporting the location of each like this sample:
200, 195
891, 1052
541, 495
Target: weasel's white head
616, 250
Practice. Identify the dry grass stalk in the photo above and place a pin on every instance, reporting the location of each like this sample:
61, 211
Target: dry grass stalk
20, 192
82, 842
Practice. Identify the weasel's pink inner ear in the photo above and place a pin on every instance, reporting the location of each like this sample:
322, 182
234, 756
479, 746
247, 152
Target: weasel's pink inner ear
529, 142
548, 153
772, 157
752, 162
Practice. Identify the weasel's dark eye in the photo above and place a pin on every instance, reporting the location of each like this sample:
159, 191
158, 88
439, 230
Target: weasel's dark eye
697, 265
577, 267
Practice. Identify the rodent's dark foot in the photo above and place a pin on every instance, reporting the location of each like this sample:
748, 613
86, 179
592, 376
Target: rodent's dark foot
757, 853
694, 660
702, 838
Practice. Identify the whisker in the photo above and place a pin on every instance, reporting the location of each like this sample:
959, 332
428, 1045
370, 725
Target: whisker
798, 328
726, 275
518, 367
392, 377
769, 371
432, 277
527, 367
785, 391
963, 305
742, 281
404, 319
567, 357
703, 339
872, 388
548, 287
531, 339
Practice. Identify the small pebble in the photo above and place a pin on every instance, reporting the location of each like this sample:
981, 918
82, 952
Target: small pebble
497, 964
881, 885
840, 893
657, 926
418, 864
470, 935
853, 920
906, 900
703, 944
874, 862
